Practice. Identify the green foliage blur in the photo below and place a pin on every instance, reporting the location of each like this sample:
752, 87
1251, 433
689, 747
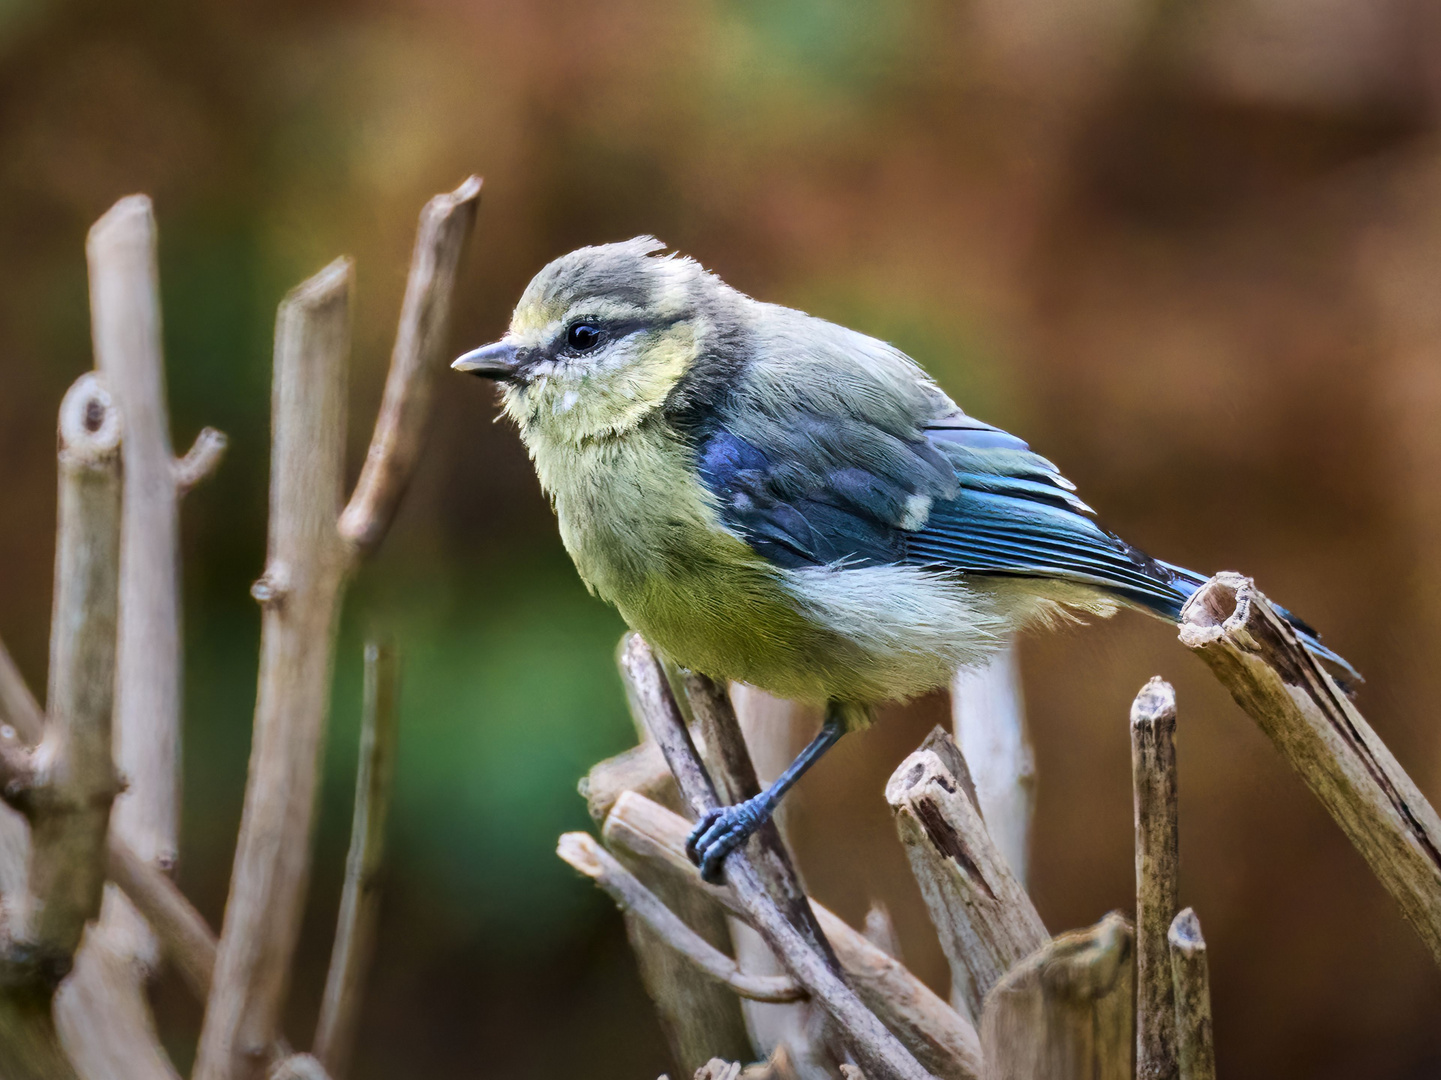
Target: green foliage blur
1189, 252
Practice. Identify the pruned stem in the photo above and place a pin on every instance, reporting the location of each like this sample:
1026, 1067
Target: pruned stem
943, 1041
445, 226
1192, 980
1257, 655
1153, 779
299, 595
202, 459
1066, 1011
582, 852
990, 724
360, 899
984, 918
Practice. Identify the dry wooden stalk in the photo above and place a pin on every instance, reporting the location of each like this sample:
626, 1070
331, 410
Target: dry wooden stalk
985, 920
1153, 778
360, 899
1066, 1011
815, 1050
1192, 980
699, 1017
990, 724
942, 1040
445, 227
310, 552
582, 852
68, 782
870, 1042
299, 594
1258, 657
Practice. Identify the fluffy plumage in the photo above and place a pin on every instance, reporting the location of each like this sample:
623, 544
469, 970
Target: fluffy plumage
773, 498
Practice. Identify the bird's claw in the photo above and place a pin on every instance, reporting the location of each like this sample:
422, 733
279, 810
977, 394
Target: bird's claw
719, 833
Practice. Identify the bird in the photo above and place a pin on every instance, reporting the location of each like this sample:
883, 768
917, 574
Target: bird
771, 498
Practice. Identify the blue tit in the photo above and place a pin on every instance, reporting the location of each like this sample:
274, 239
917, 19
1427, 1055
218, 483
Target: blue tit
771, 498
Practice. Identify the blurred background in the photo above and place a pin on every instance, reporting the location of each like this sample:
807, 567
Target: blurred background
1192, 252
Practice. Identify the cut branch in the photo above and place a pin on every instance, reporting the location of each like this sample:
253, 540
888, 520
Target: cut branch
202, 459
942, 1040
582, 852
990, 722
1153, 780
360, 899
299, 596
1065, 1012
445, 226
1284, 689
985, 920
1192, 981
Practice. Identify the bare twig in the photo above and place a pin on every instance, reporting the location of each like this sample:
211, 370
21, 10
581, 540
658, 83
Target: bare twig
185, 938
1192, 980
445, 226
103, 1015
72, 779
990, 724
942, 1040
880, 929
298, 1067
1065, 1012
360, 899
582, 852
299, 594
202, 459
699, 1017
1153, 779
984, 918
18, 706
874, 1046
1258, 657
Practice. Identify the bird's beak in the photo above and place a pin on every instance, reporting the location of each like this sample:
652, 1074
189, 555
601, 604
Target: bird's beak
495, 361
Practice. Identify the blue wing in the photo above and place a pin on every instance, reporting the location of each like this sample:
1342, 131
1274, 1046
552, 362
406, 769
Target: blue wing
962, 496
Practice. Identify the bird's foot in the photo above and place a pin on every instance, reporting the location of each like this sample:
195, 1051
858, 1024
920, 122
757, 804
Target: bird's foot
723, 830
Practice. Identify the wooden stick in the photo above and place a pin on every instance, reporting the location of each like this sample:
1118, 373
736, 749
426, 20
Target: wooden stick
1065, 1012
984, 918
103, 1014
420, 344
1192, 980
943, 1041
185, 938
877, 1049
299, 594
1153, 781
125, 327
360, 899
70, 782
582, 852
17, 704
1256, 654
700, 1018
990, 723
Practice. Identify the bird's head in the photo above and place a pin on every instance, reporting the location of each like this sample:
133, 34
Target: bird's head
598, 340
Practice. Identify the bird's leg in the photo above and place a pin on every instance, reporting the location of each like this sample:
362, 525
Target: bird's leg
726, 828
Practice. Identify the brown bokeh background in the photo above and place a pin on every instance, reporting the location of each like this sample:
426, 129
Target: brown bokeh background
1192, 252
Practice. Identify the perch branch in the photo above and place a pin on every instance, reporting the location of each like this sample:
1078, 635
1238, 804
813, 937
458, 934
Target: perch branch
299, 596
985, 920
1192, 980
876, 1048
700, 1017
1065, 1012
1153, 781
445, 226
582, 852
1256, 654
940, 1038
990, 723
202, 459
360, 899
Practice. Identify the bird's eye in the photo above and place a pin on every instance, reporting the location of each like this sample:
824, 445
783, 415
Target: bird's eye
582, 337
